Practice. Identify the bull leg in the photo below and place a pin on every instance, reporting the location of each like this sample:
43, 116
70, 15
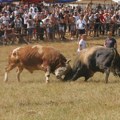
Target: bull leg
6, 77
8, 69
47, 74
76, 75
86, 78
19, 70
88, 75
107, 73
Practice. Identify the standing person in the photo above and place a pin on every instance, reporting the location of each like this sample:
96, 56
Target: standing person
96, 25
91, 24
113, 24
82, 43
72, 26
81, 25
39, 27
30, 28
108, 20
25, 18
102, 23
110, 42
5, 19
76, 16
18, 24
61, 29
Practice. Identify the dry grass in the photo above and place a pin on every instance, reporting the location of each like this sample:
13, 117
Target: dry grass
32, 99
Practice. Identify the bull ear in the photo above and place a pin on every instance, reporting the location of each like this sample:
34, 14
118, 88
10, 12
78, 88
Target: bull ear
68, 61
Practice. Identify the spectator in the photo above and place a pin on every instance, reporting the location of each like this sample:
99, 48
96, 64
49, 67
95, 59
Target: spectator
2, 34
18, 24
61, 29
5, 19
81, 25
34, 8
108, 20
113, 24
25, 18
80, 20
110, 42
91, 24
82, 43
72, 26
96, 25
30, 26
102, 25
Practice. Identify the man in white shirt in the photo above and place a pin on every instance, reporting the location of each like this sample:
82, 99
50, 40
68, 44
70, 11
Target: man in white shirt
81, 25
5, 19
25, 18
31, 12
16, 11
34, 8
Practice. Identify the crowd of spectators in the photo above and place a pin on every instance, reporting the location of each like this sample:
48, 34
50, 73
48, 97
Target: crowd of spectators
28, 22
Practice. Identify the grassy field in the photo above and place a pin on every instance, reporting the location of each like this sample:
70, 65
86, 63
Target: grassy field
32, 99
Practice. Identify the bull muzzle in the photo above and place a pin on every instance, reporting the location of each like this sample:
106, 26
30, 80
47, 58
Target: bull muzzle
60, 77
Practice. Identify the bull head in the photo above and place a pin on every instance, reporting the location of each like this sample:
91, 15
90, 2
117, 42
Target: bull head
62, 71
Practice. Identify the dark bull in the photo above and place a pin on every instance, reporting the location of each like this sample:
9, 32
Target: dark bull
95, 59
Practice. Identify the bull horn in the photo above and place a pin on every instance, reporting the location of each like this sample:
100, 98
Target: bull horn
68, 61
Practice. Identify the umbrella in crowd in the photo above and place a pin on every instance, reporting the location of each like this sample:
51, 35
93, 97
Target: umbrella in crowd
36, 1
65, 1
59, 1
6, 1
49, 1
32, 1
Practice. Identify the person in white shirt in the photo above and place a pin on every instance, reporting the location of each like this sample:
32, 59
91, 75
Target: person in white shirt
16, 11
5, 19
30, 26
81, 25
32, 13
18, 24
82, 43
25, 17
34, 8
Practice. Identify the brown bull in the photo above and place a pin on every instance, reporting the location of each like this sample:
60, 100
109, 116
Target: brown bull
37, 57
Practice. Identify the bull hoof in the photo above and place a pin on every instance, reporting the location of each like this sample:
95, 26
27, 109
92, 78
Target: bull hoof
5, 80
47, 81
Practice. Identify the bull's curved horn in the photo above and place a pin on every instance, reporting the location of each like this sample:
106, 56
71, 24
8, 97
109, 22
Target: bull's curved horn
68, 61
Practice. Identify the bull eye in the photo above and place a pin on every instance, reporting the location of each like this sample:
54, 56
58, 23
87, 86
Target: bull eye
17, 61
14, 54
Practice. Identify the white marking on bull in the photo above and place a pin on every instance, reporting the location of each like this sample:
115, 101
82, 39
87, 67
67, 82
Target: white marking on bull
15, 51
60, 72
39, 47
47, 75
6, 77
